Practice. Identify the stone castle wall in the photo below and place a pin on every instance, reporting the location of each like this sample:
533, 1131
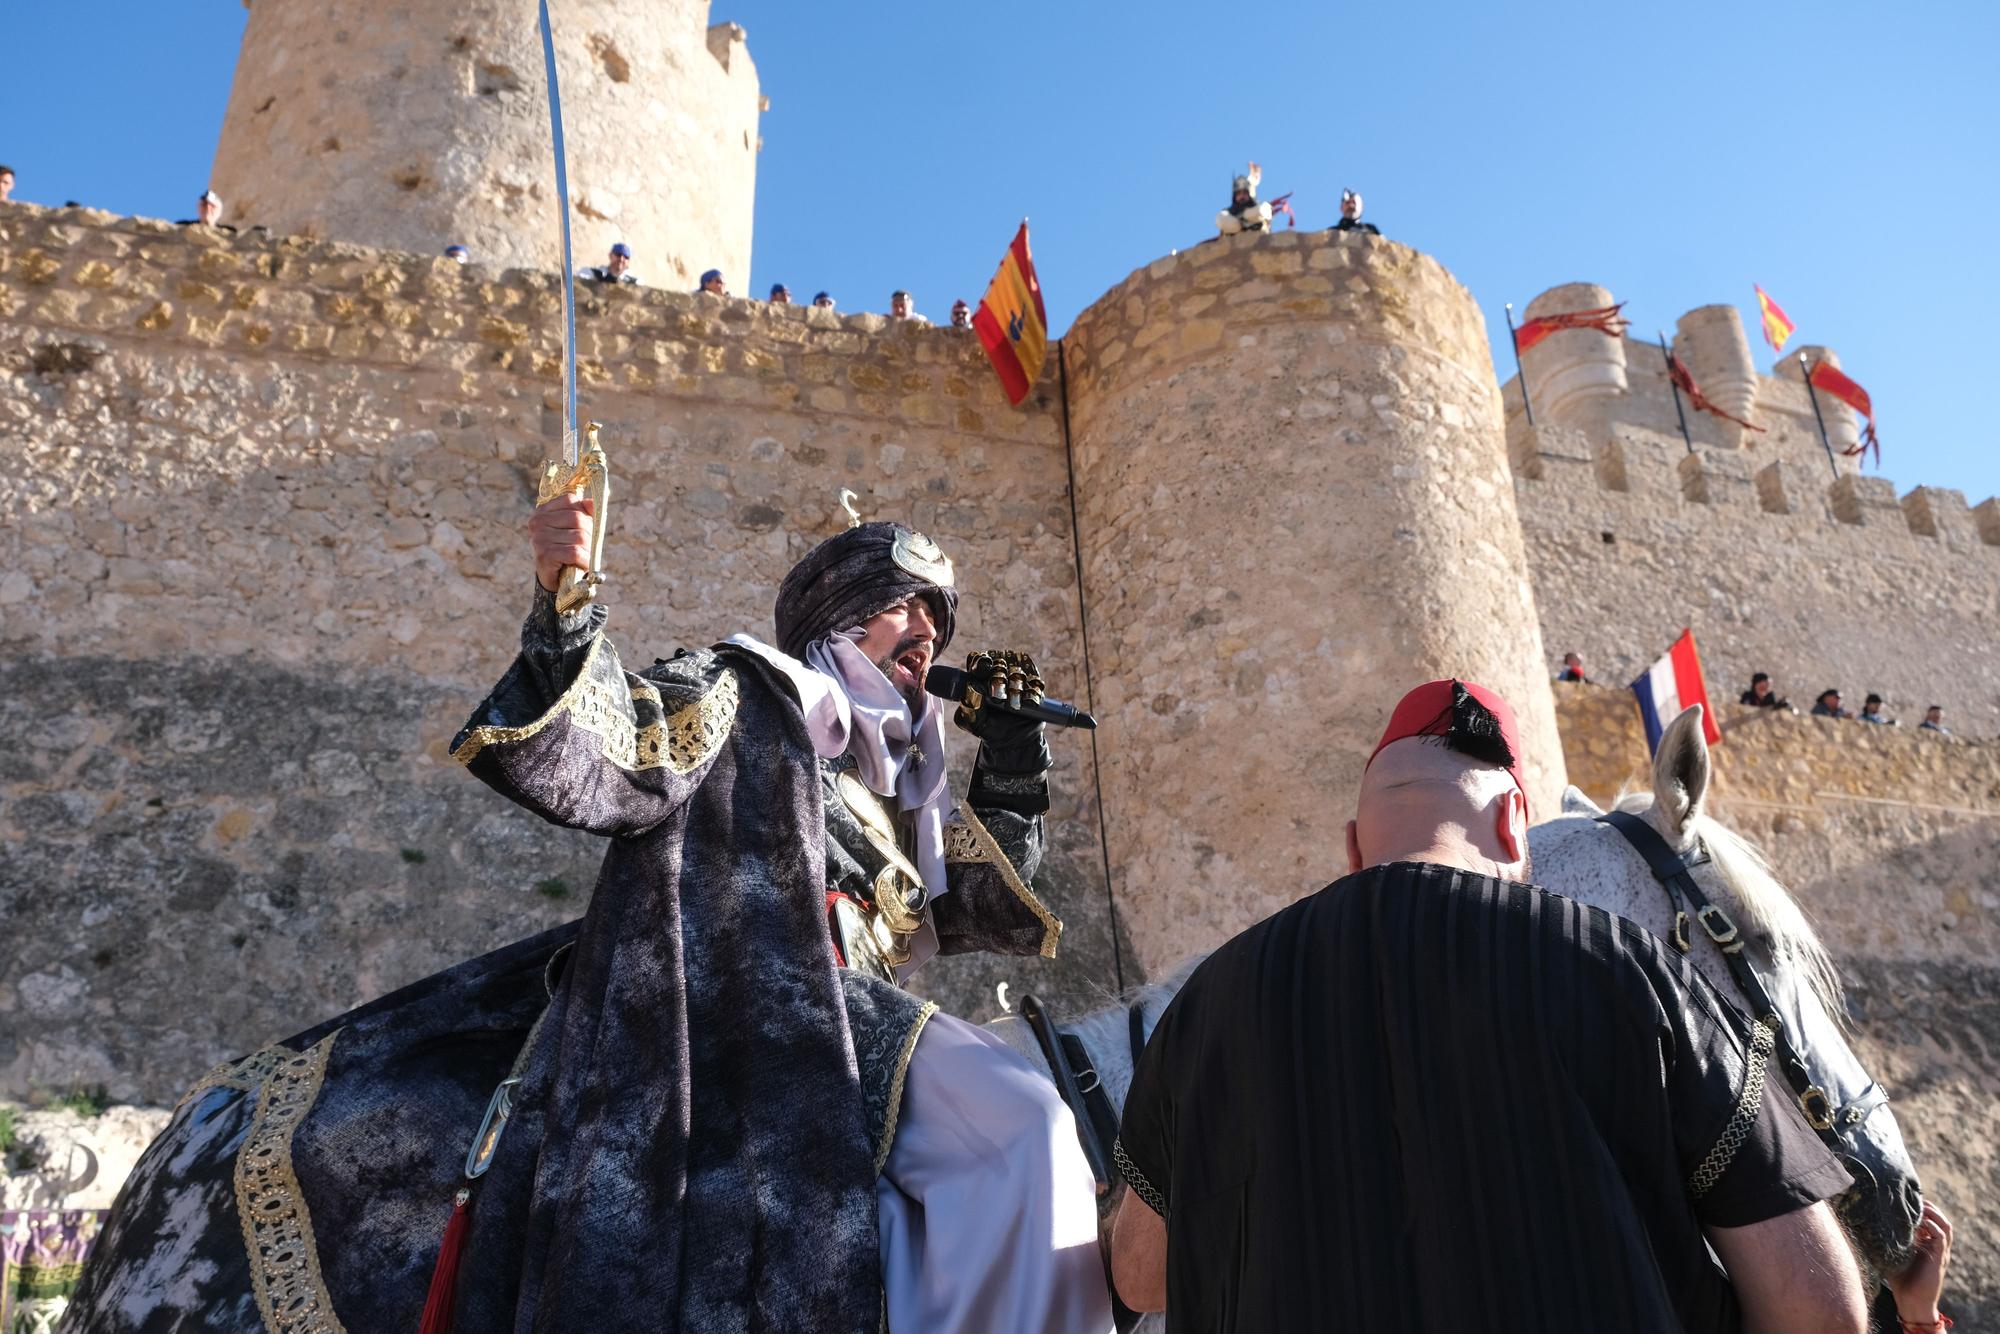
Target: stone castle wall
263, 550
1777, 566
1890, 838
260, 552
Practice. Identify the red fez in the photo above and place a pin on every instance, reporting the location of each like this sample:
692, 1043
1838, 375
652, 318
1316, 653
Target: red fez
1432, 709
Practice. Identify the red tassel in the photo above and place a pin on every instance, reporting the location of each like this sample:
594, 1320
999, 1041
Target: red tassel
443, 1299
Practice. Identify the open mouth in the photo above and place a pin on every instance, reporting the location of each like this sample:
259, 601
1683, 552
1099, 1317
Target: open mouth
911, 664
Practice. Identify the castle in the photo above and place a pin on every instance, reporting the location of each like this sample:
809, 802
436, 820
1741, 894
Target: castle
263, 551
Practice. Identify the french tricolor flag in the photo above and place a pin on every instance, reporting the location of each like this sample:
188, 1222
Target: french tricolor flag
1670, 685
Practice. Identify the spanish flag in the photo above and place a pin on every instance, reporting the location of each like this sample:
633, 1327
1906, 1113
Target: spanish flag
1777, 328
1011, 323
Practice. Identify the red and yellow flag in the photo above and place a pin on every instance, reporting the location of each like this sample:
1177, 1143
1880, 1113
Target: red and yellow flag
1777, 326
1011, 323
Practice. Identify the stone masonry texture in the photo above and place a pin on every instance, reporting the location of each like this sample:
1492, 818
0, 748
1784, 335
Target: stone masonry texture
262, 502
1295, 504
417, 127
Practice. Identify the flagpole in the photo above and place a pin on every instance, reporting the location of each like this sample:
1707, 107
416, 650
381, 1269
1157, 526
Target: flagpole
1520, 371
1813, 394
1674, 385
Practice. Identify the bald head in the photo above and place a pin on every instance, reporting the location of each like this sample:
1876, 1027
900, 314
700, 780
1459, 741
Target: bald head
1421, 801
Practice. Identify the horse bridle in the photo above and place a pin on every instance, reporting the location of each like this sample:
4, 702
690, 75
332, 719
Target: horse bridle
1083, 1092
1825, 1116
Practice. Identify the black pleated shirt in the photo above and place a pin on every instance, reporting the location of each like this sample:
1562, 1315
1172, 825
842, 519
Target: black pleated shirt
1428, 1100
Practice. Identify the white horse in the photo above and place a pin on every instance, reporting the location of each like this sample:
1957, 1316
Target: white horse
1577, 856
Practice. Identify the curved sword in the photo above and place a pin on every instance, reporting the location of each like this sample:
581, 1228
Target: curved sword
581, 467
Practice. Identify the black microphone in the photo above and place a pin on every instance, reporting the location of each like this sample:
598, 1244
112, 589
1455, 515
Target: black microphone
950, 683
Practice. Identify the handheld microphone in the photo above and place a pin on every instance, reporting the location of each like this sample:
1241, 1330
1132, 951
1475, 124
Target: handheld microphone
950, 683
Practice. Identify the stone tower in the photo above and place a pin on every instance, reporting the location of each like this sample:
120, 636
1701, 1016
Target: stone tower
1711, 341
414, 126
1294, 503
1575, 376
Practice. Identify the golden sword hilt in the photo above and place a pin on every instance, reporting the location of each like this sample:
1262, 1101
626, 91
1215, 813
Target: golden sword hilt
575, 587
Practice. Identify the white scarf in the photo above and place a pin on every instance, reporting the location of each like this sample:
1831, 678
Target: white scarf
852, 708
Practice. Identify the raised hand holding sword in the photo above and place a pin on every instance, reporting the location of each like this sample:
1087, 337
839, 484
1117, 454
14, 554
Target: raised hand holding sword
578, 479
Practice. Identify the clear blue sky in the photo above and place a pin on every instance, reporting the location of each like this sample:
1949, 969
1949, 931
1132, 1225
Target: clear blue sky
1842, 154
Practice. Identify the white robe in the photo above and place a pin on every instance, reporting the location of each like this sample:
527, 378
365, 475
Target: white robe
988, 1210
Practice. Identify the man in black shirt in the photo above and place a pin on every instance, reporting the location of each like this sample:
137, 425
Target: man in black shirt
1432, 1098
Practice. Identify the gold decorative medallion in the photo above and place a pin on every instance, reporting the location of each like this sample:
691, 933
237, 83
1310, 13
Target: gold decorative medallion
920, 556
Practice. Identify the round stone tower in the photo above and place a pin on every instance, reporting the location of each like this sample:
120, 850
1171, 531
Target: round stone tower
417, 125
1575, 375
1711, 342
1294, 503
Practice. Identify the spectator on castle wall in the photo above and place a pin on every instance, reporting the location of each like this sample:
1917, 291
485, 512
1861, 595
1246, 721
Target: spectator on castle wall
1871, 712
711, 283
1350, 216
961, 314
1761, 696
1828, 706
1244, 213
781, 295
616, 268
822, 300
1934, 721
902, 306
459, 253
1573, 669
6, 184
207, 213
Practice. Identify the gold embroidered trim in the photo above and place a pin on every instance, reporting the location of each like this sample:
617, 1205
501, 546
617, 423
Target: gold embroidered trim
246, 1074
896, 1085
970, 842
1136, 1179
682, 742
1733, 1134
277, 1230
961, 845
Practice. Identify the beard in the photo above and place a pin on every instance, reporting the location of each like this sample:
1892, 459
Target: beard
912, 693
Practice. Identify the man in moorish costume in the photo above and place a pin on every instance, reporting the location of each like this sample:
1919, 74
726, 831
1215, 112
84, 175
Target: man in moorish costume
693, 1119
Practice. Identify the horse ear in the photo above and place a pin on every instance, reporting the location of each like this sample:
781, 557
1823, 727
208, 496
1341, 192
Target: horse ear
1680, 772
1575, 803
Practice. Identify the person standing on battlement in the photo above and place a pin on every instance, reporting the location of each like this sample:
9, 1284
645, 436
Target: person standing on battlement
1871, 712
1934, 721
902, 306
711, 283
617, 267
207, 213
6, 184
1828, 705
1573, 669
961, 314
1350, 216
823, 301
781, 295
1245, 213
1760, 695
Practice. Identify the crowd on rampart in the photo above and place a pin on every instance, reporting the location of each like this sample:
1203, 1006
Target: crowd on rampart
1763, 694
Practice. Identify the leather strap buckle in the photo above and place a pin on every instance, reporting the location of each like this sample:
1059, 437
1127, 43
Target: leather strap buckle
1725, 934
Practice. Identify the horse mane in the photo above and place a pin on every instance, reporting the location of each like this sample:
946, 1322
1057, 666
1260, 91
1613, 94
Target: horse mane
1767, 905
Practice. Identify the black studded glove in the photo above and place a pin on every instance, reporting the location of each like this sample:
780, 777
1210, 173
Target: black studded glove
1013, 750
